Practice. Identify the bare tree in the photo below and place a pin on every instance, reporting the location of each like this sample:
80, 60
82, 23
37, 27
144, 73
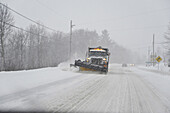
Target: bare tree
6, 19
36, 41
17, 49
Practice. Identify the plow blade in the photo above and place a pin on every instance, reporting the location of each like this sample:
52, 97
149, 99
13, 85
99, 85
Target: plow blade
85, 66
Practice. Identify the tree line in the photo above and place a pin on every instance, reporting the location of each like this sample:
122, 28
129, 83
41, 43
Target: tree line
167, 44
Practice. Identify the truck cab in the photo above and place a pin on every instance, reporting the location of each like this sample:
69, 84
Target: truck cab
98, 56
97, 59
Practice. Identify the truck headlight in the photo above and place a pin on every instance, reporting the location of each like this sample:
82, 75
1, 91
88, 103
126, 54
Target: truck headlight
88, 59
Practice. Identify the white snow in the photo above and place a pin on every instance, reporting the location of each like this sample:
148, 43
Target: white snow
161, 67
158, 78
23, 90
15, 81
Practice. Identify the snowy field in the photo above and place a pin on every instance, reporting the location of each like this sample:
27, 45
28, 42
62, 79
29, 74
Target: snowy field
124, 89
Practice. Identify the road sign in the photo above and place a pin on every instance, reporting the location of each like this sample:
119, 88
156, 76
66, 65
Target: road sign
158, 58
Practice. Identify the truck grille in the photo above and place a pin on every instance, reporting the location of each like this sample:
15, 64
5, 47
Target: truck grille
96, 61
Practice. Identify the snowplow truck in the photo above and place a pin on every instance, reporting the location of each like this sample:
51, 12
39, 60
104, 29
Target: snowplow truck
97, 59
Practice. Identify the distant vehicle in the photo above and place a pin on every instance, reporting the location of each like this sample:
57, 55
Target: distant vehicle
132, 64
97, 60
124, 65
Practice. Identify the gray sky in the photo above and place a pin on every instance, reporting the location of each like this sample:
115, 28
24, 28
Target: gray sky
130, 23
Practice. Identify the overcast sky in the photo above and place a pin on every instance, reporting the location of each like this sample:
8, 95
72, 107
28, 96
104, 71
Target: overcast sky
131, 23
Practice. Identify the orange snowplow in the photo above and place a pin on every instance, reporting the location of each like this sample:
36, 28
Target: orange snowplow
97, 59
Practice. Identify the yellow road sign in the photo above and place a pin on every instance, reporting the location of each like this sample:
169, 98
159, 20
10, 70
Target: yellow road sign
158, 58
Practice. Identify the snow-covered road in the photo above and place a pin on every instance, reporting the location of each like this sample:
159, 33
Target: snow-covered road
122, 90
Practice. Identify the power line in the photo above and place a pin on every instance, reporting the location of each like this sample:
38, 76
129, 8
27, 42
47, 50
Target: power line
140, 28
49, 8
147, 45
129, 16
28, 18
23, 29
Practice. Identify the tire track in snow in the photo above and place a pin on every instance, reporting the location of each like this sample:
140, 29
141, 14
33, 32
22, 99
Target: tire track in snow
105, 97
130, 96
86, 101
82, 93
156, 95
109, 107
135, 99
101, 98
148, 100
140, 96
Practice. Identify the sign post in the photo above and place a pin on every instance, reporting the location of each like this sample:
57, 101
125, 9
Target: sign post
158, 59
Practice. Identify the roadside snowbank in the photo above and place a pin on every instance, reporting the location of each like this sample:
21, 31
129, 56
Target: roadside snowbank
162, 69
14, 81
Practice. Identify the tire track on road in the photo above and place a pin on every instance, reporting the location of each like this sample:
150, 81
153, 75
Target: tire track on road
82, 93
149, 101
156, 95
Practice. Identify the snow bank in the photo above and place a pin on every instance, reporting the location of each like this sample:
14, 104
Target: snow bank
164, 69
14, 81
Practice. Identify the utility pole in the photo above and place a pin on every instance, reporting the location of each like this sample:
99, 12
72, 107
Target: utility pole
164, 56
148, 54
71, 26
153, 49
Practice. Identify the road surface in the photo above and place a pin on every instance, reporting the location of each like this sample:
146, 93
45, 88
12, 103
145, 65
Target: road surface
122, 90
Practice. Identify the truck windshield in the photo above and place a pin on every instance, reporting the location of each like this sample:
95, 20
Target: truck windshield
97, 53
